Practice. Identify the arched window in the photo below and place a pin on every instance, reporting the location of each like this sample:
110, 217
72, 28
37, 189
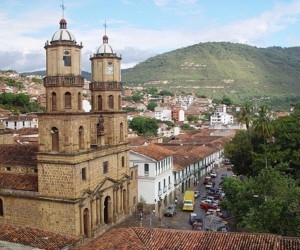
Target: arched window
54, 106
99, 102
79, 101
111, 102
1, 208
68, 103
81, 138
121, 132
55, 139
120, 102
86, 222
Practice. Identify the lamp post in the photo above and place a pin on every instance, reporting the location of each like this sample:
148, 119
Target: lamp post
159, 203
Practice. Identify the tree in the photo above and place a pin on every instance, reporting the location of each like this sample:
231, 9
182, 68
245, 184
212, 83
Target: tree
22, 100
192, 118
267, 203
144, 125
262, 125
227, 101
166, 93
152, 105
245, 115
186, 126
238, 150
136, 98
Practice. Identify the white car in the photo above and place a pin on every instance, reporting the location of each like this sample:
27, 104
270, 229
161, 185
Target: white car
213, 174
208, 185
197, 194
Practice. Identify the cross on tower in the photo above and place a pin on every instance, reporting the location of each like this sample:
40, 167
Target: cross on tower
63, 8
105, 26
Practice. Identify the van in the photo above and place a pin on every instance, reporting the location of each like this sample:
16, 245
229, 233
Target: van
188, 201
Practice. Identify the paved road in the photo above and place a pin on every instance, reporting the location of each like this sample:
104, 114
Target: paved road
180, 220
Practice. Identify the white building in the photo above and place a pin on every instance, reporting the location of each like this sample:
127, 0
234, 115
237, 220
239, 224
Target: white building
221, 117
185, 100
21, 121
162, 114
155, 173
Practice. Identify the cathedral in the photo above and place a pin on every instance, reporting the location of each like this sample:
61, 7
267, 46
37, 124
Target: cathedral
76, 181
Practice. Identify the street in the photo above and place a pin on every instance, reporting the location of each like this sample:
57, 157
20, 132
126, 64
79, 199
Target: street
181, 219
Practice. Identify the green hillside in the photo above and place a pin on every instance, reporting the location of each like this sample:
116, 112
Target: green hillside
218, 69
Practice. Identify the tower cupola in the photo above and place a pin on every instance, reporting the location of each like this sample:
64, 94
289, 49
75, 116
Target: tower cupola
63, 35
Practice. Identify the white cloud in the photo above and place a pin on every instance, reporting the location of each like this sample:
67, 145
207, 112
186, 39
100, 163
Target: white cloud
23, 37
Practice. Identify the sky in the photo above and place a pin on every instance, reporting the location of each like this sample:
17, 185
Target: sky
140, 29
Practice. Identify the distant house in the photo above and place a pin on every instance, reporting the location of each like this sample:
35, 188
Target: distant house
20, 121
221, 116
162, 114
177, 115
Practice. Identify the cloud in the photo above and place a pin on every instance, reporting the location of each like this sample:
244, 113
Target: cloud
23, 36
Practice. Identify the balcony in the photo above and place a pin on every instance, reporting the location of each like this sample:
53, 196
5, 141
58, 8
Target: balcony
63, 81
106, 86
170, 185
160, 192
177, 181
165, 189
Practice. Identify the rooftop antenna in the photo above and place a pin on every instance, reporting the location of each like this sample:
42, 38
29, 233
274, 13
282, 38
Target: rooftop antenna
63, 8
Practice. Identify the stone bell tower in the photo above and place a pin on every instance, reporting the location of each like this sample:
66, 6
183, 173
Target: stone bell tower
106, 83
83, 158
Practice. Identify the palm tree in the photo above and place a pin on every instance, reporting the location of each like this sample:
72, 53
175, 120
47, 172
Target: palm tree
262, 125
246, 115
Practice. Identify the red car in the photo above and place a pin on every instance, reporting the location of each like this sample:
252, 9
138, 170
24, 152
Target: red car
209, 205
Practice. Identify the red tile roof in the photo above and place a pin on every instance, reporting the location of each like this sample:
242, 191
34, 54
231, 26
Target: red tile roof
25, 182
35, 237
153, 151
17, 154
147, 238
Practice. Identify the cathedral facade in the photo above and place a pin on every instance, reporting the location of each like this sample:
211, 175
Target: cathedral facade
79, 180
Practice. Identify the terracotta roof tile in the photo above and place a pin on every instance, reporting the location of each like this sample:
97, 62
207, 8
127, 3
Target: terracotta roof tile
36, 237
155, 238
117, 239
153, 151
25, 182
17, 154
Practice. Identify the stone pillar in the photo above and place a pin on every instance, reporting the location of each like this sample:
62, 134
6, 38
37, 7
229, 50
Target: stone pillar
128, 208
101, 216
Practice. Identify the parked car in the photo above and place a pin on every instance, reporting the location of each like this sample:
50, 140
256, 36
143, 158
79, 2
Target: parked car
213, 174
216, 212
194, 217
223, 176
197, 194
208, 185
207, 206
198, 226
170, 210
229, 168
207, 180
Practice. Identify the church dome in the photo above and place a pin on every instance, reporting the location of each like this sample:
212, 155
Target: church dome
63, 34
105, 48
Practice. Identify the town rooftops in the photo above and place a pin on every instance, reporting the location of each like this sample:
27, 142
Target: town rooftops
36, 238
153, 151
16, 154
156, 238
24, 182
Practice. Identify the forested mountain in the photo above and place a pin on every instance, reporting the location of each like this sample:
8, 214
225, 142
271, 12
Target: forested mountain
218, 69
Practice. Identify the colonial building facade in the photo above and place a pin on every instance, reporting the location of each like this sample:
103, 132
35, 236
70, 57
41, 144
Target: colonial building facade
81, 185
